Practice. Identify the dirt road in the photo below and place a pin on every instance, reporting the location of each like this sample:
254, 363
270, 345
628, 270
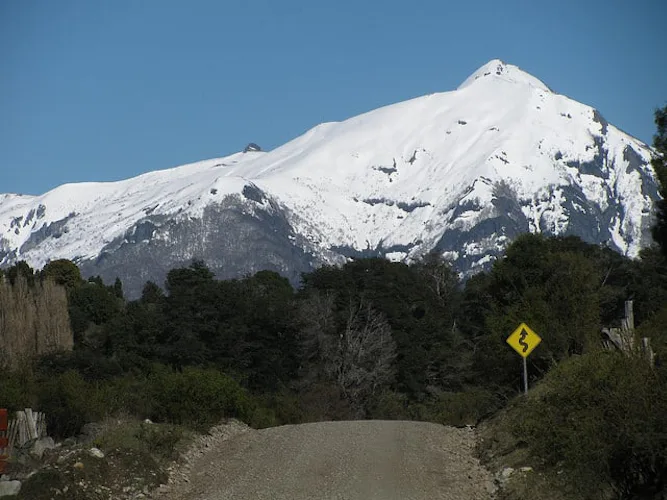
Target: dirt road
363, 460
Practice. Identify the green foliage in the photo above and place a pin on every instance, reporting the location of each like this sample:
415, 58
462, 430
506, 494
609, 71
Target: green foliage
69, 402
467, 407
660, 167
161, 441
92, 303
390, 405
649, 284
194, 397
257, 350
198, 397
17, 389
282, 407
543, 283
242, 326
21, 268
419, 304
63, 272
91, 364
601, 415
656, 330
258, 334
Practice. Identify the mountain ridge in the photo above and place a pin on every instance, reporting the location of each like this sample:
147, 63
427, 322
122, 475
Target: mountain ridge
461, 173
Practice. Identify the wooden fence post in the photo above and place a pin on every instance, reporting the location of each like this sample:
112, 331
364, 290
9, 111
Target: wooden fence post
32, 425
4, 441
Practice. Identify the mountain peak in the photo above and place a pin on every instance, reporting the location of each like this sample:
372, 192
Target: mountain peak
459, 173
498, 69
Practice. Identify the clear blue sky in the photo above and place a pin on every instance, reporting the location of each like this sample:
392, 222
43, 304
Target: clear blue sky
105, 90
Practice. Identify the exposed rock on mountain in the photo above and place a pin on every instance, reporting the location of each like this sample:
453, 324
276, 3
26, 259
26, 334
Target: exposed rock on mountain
462, 172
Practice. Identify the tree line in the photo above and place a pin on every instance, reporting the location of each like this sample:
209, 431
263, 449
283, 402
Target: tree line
366, 339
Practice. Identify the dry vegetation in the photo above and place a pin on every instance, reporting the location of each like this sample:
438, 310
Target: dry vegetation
33, 321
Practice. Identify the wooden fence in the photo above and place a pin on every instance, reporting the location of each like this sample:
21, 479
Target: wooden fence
27, 425
624, 338
4, 442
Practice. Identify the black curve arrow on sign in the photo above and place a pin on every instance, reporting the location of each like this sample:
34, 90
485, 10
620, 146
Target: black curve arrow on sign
522, 340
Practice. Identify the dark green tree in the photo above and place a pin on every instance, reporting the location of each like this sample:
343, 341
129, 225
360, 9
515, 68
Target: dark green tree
21, 268
660, 166
92, 303
118, 288
151, 293
544, 283
191, 315
64, 272
420, 316
265, 307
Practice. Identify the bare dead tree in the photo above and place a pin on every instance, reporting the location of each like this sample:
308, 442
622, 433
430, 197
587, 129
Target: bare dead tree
356, 355
362, 359
317, 321
438, 274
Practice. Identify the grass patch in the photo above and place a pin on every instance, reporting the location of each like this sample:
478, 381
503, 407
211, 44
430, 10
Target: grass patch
163, 442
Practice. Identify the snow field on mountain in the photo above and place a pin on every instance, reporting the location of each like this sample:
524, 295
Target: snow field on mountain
398, 176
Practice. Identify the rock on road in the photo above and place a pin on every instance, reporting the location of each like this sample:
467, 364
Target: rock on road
357, 460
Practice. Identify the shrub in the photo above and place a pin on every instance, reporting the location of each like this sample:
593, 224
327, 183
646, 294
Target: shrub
129, 395
466, 407
603, 416
285, 408
70, 402
198, 397
17, 390
91, 364
161, 441
389, 405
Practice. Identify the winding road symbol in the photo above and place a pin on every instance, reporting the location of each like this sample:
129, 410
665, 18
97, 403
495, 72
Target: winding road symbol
523, 340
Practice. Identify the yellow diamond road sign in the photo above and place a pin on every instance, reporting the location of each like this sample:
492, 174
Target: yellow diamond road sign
523, 340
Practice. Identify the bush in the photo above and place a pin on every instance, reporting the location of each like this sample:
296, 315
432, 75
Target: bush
603, 416
161, 441
70, 402
285, 408
129, 395
466, 407
198, 397
17, 390
91, 364
389, 405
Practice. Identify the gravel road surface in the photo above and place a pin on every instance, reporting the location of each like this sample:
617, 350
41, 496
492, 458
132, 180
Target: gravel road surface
360, 460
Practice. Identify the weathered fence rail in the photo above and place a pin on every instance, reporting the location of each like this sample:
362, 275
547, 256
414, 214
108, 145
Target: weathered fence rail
25, 427
624, 339
4, 441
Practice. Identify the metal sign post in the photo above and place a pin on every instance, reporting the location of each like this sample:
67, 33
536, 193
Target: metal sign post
525, 376
523, 340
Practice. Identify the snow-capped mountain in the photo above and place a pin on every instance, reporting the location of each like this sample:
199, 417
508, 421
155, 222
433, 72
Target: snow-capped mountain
460, 172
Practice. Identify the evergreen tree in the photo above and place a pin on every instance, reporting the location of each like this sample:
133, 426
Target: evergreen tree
418, 303
63, 272
548, 283
21, 268
660, 166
